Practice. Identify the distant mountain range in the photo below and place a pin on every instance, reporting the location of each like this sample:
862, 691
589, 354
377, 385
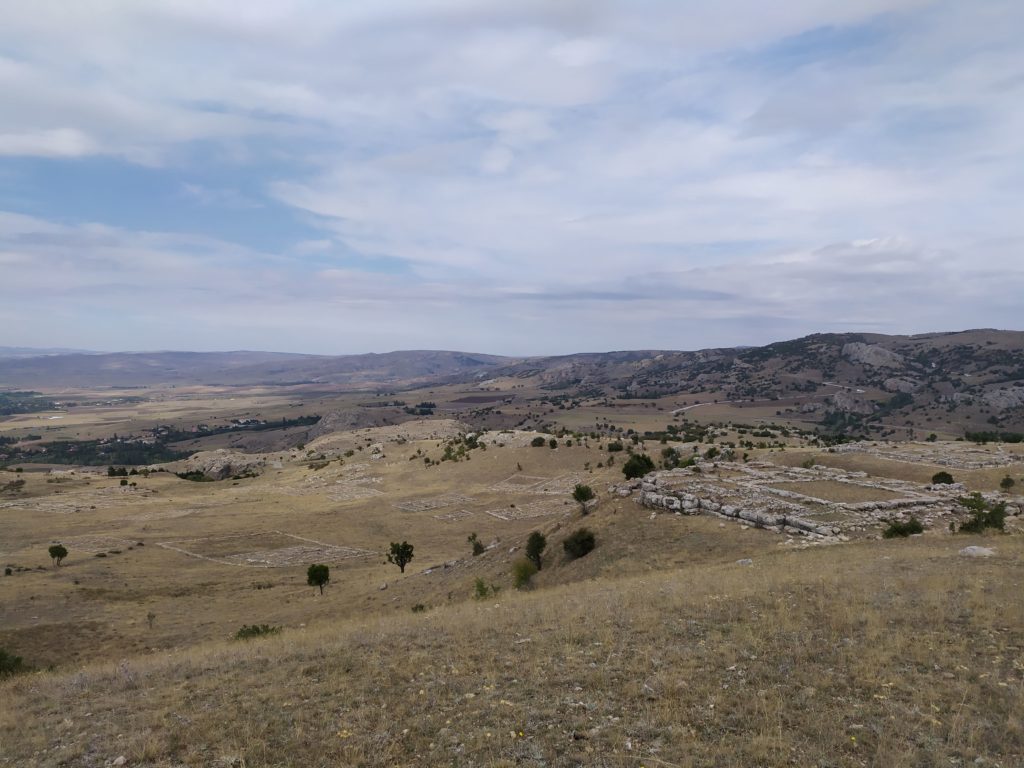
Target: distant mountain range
139, 369
7, 352
962, 380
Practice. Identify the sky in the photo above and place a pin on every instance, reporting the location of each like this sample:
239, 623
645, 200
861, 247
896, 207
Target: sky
530, 177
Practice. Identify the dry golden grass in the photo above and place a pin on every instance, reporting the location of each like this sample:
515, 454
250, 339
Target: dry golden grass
884, 654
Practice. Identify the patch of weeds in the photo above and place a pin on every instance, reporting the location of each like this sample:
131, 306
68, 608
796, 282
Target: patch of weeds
249, 631
902, 529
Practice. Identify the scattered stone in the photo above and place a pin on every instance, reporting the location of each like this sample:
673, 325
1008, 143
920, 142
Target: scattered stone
745, 561
977, 552
383, 586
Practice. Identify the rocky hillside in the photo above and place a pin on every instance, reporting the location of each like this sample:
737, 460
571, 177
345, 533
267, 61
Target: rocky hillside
974, 379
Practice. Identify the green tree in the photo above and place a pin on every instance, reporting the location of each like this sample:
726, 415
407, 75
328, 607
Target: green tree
400, 554
537, 442
984, 514
582, 494
942, 478
535, 546
478, 546
1007, 483
58, 552
318, 575
639, 464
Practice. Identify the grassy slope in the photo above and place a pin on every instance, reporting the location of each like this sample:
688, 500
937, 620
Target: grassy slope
876, 653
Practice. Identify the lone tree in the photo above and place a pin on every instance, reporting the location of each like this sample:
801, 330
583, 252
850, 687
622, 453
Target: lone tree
582, 494
318, 575
942, 478
400, 554
1007, 483
535, 548
58, 552
478, 546
639, 464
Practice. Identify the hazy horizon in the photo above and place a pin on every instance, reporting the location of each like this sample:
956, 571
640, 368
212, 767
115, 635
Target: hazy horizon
528, 179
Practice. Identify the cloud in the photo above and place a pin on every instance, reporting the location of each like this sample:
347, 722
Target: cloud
59, 142
577, 174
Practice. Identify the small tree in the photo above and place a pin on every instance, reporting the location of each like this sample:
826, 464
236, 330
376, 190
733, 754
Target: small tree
579, 543
985, 514
1007, 483
582, 494
58, 552
537, 442
318, 575
478, 547
535, 546
400, 554
639, 464
942, 478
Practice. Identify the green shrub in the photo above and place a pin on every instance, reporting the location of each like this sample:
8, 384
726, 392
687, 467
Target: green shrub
522, 571
579, 543
898, 529
984, 514
1007, 483
639, 464
538, 442
419, 608
614, 447
535, 546
552, 443
249, 631
11, 665
481, 590
476, 544
942, 478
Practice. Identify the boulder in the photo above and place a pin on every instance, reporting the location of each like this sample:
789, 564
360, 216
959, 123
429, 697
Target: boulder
871, 354
222, 463
900, 384
977, 552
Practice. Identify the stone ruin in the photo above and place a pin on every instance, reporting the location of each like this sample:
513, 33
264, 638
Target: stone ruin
965, 456
747, 494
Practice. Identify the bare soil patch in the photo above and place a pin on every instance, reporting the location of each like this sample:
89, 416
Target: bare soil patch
834, 491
